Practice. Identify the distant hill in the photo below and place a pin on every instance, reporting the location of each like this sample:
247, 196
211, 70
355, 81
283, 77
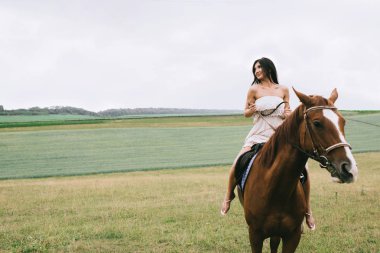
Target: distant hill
48, 110
110, 112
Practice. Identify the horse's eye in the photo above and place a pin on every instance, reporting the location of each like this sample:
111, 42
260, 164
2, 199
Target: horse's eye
317, 123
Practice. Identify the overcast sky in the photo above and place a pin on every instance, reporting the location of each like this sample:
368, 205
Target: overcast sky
99, 55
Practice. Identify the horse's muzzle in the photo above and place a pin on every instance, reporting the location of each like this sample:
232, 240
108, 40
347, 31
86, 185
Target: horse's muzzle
346, 172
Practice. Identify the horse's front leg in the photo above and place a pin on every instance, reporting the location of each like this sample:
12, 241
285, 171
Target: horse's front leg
256, 240
290, 242
274, 243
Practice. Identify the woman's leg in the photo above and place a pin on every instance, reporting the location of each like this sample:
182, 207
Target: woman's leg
306, 187
230, 195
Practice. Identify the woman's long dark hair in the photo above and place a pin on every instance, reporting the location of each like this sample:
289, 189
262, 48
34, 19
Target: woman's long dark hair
268, 68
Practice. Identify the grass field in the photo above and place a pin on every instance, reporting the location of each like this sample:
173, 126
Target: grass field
141, 144
17, 121
175, 211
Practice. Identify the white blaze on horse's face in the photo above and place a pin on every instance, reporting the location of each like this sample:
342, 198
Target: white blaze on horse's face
349, 166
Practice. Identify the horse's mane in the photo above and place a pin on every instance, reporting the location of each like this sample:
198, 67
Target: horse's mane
270, 149
286, 132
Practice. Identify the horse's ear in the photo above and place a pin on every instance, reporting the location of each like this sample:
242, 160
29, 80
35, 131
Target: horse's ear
305, 99
333, 96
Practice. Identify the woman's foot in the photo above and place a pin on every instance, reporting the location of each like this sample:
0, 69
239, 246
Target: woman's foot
226, 204
310, 222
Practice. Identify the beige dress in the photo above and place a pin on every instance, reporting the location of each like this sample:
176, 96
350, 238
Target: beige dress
264, 126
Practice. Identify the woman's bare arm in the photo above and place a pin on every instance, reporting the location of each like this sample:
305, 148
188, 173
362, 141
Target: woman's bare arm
287, 111
250, 107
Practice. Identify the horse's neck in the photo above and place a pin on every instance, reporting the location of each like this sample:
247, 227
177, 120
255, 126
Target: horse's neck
288, 169
284, 173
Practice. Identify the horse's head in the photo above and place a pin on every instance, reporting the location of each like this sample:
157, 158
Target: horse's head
322, 136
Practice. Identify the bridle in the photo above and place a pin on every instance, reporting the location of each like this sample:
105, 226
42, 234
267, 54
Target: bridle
321, 156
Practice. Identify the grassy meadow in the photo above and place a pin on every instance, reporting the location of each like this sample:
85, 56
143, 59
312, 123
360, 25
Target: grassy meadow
166, 210
175, 211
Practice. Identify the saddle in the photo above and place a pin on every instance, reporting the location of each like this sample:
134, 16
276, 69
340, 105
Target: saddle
244, 164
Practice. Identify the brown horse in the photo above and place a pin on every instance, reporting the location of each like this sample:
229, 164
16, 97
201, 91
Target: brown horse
274, 201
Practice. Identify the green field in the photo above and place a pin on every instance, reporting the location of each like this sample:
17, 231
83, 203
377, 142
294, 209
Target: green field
13, 121
141, 144
175, 211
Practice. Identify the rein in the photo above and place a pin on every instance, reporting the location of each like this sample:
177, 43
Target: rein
324, 162
273, 110
263, 115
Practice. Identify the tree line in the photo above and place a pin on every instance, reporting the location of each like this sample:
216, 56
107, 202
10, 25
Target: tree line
109, 112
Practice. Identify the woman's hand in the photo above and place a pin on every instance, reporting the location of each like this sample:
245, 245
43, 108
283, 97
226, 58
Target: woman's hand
252, 108
287, 112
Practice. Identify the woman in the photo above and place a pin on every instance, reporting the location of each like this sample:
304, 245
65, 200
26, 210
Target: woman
268, 103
